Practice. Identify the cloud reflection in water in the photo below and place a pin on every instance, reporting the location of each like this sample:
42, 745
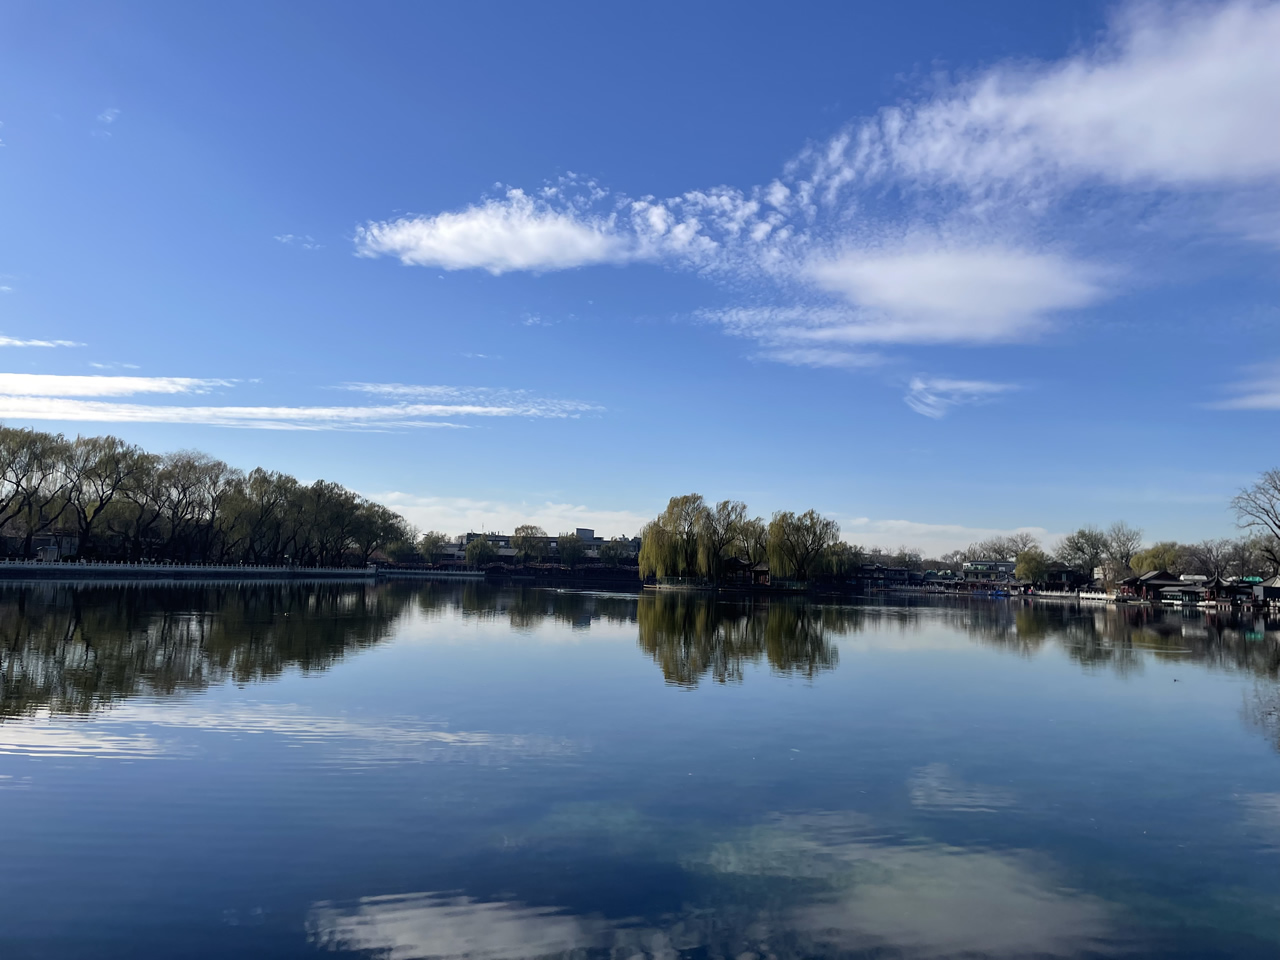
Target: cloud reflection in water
816, 882
935, 788
436, 925
155, 730
929, 899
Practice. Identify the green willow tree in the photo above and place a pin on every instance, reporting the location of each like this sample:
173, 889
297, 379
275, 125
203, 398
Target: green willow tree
797, 542
717, 531
431, 544
669, 543
571, 548
529, 541
1032, 565
692, 539
481, 552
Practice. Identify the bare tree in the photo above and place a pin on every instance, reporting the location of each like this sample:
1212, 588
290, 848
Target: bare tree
908, 557
1258, 508
1211, 557
1244, 556
1123, 541
1083, 550
1021, 541
97, 468
23, 459
42, 488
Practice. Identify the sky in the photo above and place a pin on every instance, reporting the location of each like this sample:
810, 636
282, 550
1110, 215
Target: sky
937, 270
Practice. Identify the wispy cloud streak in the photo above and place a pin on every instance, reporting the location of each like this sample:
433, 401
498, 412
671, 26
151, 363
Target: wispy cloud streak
1261, 391
18, 342
934, 397
510, 402
52, 397
56, 385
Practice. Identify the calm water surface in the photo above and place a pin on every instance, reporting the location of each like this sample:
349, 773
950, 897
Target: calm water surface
410, 771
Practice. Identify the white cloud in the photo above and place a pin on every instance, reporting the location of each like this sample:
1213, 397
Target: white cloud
54, 385
261, 418
1177, 99
109, 115
48, 397
516, 232
305, 241
1174, 96
935, 396
957, 294
1260, 392
932, 539
821, 357
512, 402
455, 515
922, 294
15, 342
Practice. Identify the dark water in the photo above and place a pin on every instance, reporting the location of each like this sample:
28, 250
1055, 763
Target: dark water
427, 771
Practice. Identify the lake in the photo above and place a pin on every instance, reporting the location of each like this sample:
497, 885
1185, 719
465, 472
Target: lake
442, 770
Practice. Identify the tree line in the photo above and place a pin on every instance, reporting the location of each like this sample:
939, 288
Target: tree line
693, 538
120, 502
1118, 550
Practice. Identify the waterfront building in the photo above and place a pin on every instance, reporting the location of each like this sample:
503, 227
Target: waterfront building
1268, 591
1149, 586
988, 571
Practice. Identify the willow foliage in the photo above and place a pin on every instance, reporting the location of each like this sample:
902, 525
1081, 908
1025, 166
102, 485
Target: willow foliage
691, 539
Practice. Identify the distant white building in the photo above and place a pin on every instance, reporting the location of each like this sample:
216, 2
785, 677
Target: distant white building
550, 545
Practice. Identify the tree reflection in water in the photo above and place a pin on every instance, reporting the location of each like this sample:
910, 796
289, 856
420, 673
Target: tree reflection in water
528, 608
691, 636
1118, 636
76, 649
73, 649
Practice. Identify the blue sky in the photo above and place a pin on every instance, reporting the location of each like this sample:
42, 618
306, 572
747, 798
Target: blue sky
937, 270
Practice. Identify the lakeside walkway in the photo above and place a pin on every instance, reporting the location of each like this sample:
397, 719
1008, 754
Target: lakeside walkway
118, 570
